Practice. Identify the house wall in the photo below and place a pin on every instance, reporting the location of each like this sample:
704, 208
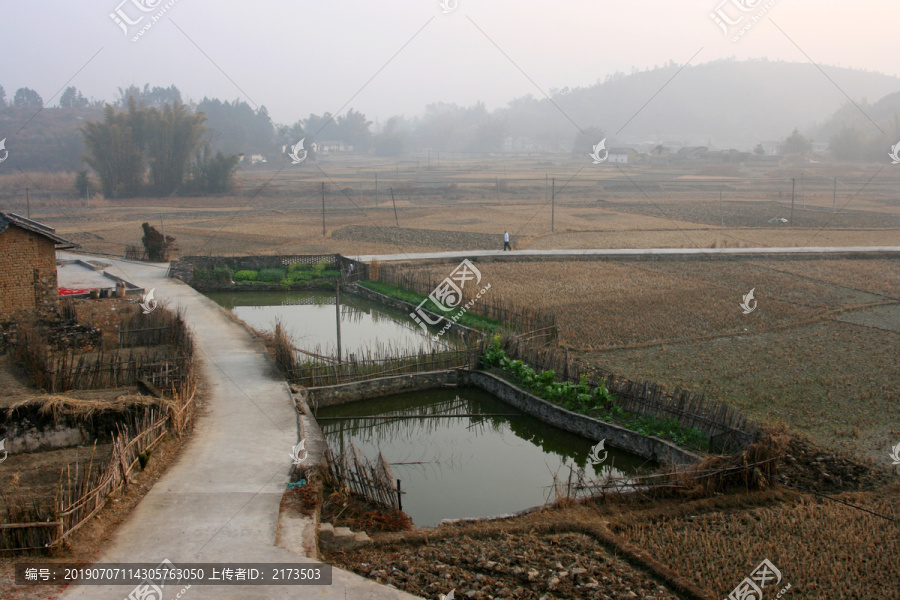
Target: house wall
27, 273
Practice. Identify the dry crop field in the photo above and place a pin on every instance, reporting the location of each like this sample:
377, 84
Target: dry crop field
822, 343
718, 548
279, 209
821, 352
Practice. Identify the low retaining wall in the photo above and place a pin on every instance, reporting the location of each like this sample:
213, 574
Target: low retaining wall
183, 268
332, 395
211, 285
28, 429
650, 447
645, 446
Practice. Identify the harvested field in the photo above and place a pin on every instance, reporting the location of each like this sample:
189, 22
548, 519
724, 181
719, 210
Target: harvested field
719, 548
792, 360
279, 212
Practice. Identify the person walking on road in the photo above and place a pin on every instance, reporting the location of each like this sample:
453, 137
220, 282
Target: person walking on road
506, 245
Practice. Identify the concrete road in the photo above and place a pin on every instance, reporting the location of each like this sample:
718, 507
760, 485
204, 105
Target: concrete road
219, 501
633, 253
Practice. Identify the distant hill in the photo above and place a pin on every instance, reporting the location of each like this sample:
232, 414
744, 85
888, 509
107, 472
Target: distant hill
725, 103
864, 117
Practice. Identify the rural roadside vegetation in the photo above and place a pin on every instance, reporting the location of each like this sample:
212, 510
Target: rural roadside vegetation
106, 395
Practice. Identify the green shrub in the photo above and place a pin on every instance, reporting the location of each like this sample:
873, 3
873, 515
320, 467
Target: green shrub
202, 273
246, 275
320, 267
595, 402
302, 275
223, 274
299, 267
271, 275
331, 274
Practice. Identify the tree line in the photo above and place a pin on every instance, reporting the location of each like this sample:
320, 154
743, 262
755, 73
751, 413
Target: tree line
155, 151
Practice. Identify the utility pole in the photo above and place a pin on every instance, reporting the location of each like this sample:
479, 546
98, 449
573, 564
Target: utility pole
802, 190
27, 204
793, 185
323, 209
553, 206
165, 241
721, 209
394, 202
337, 306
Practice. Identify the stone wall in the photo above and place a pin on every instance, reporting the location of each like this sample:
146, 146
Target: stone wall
28, 276
650, 447
27, 428
333, 395
183, 268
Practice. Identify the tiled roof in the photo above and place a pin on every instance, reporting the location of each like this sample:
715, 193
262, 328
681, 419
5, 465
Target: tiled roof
7, 219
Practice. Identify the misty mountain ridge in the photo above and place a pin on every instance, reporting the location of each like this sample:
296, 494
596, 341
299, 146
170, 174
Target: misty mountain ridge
725, 104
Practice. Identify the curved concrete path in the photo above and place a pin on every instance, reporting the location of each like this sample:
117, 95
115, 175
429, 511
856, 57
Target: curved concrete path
219, 501
636, 253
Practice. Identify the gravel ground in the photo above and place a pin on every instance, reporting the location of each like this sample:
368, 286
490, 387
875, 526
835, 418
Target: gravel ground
513, 566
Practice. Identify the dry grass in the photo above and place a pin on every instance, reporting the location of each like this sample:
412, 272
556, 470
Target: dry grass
855, 558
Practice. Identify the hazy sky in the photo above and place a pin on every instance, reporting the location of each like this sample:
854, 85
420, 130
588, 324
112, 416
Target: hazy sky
298, 57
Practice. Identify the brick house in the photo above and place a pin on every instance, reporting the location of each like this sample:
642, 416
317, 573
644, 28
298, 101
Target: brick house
28, 266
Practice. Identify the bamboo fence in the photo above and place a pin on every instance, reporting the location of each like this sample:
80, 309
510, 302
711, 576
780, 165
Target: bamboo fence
314, 370
83, 493
163, 358
492, 305
709, 479
727, 427
372, 480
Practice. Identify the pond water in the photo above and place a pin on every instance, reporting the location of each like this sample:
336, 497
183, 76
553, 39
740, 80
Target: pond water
464, 466
310, 318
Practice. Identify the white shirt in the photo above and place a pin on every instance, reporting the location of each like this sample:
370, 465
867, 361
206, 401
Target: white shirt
506, 237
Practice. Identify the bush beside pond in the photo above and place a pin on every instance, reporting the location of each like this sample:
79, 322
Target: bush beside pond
596, 402
298, 273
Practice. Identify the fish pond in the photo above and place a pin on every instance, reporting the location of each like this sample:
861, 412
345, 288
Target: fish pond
310, 319
463, 452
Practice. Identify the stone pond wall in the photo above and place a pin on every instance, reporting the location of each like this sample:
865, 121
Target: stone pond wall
649, 447
642, 445
334, 395
183, 268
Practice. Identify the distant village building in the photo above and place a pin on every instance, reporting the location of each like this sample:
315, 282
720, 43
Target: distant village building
692, 153
622, 155
528, 145
326, 146
28, 255
258, 158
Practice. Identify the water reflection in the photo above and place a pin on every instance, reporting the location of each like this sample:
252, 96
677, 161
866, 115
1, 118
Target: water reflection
310, 318
465, 461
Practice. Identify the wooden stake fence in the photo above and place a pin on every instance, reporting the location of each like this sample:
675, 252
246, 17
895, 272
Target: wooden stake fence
492, 305
727, 427
373, 481
81, 496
